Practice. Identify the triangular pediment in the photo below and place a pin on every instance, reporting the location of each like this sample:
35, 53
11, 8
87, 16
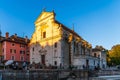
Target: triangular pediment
43, 16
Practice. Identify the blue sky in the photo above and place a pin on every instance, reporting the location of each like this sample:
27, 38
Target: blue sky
97, 21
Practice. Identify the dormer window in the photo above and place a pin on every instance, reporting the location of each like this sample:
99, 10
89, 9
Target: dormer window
44, 34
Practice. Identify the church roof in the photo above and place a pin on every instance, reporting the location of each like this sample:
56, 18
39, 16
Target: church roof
66, 28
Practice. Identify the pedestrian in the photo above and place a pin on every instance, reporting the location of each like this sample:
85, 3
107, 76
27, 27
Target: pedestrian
83, 66
24, 65
16, 65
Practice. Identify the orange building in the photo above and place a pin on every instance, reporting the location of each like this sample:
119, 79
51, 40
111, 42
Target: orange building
14, 48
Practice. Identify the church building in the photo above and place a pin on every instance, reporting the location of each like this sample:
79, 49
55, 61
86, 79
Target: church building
52, 43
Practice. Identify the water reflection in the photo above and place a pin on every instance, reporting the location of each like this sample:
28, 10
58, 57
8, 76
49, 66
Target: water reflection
110, 77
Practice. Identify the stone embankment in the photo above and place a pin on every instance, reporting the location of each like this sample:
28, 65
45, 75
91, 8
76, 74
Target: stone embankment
105, 72
54, 74
44, 75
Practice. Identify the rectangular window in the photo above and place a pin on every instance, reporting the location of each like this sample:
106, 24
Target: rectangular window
10, 50
22, 52
14, 51
33, 49
12, 57
22, 58
55, 45
44, 34
55, 63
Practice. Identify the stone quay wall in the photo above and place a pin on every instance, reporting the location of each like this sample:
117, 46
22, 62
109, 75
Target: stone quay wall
43, 74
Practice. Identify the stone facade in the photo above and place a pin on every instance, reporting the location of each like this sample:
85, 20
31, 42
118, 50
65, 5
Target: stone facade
52, 43
100, 54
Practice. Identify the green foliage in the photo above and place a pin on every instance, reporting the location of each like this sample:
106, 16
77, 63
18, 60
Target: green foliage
114, 55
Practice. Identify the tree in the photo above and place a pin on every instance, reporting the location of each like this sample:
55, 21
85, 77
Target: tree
114, 55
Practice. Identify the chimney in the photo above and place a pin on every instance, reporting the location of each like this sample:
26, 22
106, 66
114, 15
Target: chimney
7, 35
26, 39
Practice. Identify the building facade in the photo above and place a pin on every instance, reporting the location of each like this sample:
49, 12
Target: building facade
52, 43
14, 48
101, 55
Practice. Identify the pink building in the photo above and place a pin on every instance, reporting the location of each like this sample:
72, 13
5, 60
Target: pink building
14, 48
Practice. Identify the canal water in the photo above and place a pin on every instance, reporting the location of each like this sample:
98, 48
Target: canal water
110, 77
